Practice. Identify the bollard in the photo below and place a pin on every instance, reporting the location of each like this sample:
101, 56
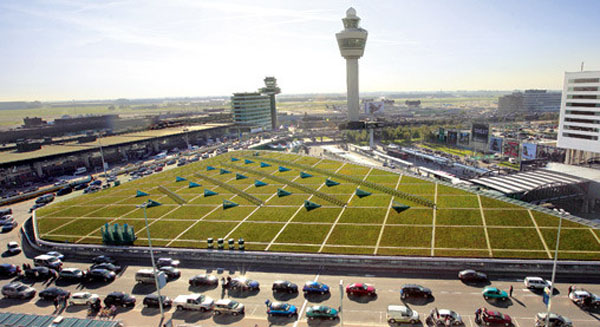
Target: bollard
231, 244
210, 243
241, 244
220, 244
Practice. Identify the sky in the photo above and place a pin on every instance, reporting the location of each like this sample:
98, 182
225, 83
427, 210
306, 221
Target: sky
77, 50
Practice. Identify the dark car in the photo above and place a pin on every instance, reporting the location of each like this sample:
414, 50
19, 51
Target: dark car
151, 301
119, 299
52, 293
102, 275
9, 225
9, 270
203, 279
96, 183
244, 284
315, 287
41, 273
470, 275
412, 290
107, 266
104, 258
64, 191
36, 206
483, 316
284, 286
81, 186
171, 272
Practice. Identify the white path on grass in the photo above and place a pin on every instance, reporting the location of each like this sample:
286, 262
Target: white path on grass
387, 214
540, 234
485, 230
435, 198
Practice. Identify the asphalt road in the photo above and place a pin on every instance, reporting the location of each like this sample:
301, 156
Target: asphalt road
448, 294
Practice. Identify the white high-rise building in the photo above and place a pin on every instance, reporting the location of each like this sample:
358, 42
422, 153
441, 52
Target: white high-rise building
579, 127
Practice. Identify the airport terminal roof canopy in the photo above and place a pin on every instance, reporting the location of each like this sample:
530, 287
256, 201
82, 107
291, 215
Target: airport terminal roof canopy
439, 160
476, 170
526, 181
123, 139
20, 319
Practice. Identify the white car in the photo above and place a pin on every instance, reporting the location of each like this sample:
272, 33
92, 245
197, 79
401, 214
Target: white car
399, 314
536, 283
167, 262
83, 298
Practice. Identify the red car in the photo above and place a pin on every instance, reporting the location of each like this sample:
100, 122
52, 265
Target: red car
360, 289
487, 317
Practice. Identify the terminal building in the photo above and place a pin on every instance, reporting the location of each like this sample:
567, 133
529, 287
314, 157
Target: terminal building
251, 110
579, 123
530, 101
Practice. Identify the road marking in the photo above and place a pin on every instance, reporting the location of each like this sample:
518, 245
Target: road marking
301, 312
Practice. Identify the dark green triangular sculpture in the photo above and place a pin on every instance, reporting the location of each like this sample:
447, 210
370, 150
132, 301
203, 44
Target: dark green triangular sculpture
247, 161
210, 168
258, 183
311, 205
192, 185
140, 194
264, 164
152, 203
240, 176
234, 159
281, 192
208, 193
229, 204
331, 183
283, 169
399, 207
305, 175
361, 194
179, 179
224, 171
117, 235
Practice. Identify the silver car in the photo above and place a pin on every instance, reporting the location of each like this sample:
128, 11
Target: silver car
227, 306
18, 290
554, 320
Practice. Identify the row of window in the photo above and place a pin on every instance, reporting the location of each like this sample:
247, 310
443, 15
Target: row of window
578, 136
590, 97
579, 128
587, 105
582, 121
584, 80
585, 113
583, 88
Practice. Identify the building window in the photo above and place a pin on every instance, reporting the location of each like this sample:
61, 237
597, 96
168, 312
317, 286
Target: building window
583, 96
589, 105
585, 113
584, 88
353, 43
582, 121
578, 136
584, 80
583, 129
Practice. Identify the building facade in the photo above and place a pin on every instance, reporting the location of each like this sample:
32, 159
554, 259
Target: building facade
579, 125
251, 110
530, 101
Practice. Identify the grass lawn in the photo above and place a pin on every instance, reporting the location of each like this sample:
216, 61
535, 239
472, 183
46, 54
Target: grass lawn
424, 189
281, 214
399, 251
493, 203
571, 239
235, 213
521, 254
457, 201
112, 211
446, 190
354, 170
579, 256
544, 219
411, 216
112, 200
371, 201
363, 215
189, 212
348, 250
189, 244
154, 212
462, 253
342, 188
379, 179
300, 233
458, 217
498, 217
75, 211
47, 211
514, 238
167, 229
81, 227
321, 215
257, 232
413, 180
330, 165
205, 229
406, 236
291, 200
294, 248
62, 239
267, 189
460, 237
354, 235
47, 224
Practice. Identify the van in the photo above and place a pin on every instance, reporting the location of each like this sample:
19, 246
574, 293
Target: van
145, 276
48, 261
399, 314
80, 171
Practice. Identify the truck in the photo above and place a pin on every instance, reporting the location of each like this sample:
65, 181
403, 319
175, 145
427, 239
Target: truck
197, 302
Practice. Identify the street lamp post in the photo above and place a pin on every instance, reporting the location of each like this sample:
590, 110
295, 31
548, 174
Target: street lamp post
160, 304
102, 157
341, 302
561, 213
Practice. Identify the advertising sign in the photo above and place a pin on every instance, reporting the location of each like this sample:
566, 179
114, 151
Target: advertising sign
452, 137
529, 151
511, 149
372, 108
495, 144
480, 132
463, 138
551, 153
441, 136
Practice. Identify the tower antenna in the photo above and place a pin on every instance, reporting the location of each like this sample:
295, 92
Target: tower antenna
582, 65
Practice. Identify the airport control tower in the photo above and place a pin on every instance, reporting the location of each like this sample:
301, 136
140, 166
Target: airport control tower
271, 89
352, 46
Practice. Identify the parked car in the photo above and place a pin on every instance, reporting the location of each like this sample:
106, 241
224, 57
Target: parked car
281, 309
101, 275
483, 316
494, 293
554, 320
360, 289
107, 266
196, 302
96, 183
9, 270
119, 299
42, 273
52, 293
440, 317
413, 290
36, 206
284, 286
18, 290
315, 287
72, 274
321, 312
203, 279
584, 298
399, 314
46, 198
171, 272
81, 186
83, 298
104, 258
244, 284
13, 248
536, 283
49, 261
164, 262
58, 255
9, 225
151, 301
228, 306
64, 191
470, 275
